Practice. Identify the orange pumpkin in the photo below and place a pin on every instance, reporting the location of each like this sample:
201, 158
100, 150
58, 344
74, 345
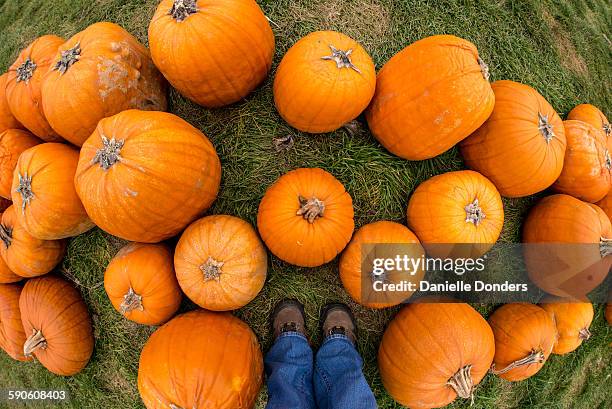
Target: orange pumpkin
12, 143
57, 324
215, 52
431, 353
306, 217
568, 246
429, 96
43, 192
23, 253
460, 207
572, 320
201, 359
592, 115
587, 165
324, 81
12, 336
23, 86
97, 73
395, 239
6, 275
605, 204
143, 176
141, 284
524, 338
7, 119
220, 263
520, 147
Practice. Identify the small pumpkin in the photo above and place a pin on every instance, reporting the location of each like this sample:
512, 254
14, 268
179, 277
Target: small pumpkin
429, 96
143, 176
57, 325
572, 320
520, 147
220, 263
432, 353
573, 239
394, 239
141, 284
215, 52
12, 336
105, 69
587, 166
524, 338
461, 207
592, 115
23, 253
12, 143
325, 80
44, 195
306, 217
215, 359
7, 119
23, 86
605, 204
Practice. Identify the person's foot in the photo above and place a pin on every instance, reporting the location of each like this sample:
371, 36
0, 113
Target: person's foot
337, 318
288, 316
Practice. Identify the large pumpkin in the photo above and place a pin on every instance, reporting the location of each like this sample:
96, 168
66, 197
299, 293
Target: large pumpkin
220, 263
429, 96
586, 169
97, 73
57, 325
12, 143
520, 147
44, 195
23, 86
215, 52
605, 204
201, 359
12, 336
7, 119
572, 320
592, 115
141, 284
460, 207
379, 240
324, 81
143, 176
23, 253
524, 338
306, 217
567, 251
431, 353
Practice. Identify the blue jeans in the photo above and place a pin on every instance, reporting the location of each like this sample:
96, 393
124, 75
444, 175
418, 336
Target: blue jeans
334, 381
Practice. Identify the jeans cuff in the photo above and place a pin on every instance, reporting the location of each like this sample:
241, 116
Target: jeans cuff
337, 336
292, 334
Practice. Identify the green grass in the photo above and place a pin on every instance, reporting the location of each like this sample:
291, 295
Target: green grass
562, 48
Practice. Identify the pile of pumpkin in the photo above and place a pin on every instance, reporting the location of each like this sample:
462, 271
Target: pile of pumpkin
84, 142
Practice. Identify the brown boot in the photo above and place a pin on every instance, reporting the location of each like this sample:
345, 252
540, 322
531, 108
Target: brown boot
337, 318
288, 316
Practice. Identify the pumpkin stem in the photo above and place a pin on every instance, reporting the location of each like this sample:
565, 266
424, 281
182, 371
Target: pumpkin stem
608, 161
462, 383
34, 341
6, 235
535, 357
212, 269
474, 213
607, 129
584, 334
68, 58
546, 129
605, 247
131, 302
109, 153
181, 9
484, 68
25, 189
342, 58
311, 208
26, 70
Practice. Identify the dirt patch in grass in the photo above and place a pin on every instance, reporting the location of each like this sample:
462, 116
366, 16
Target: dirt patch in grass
570, 58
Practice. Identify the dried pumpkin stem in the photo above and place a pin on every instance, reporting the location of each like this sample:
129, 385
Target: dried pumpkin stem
68, 58
25, 189
535, 357
6, 235
212, 269
607, 129
109, 153
26, 70
484, 68
474, 213
584, 334
608, 161
545, 127
311, 208
34, 342
181, 9
131, 302
605, 247
341, 58
462, 382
